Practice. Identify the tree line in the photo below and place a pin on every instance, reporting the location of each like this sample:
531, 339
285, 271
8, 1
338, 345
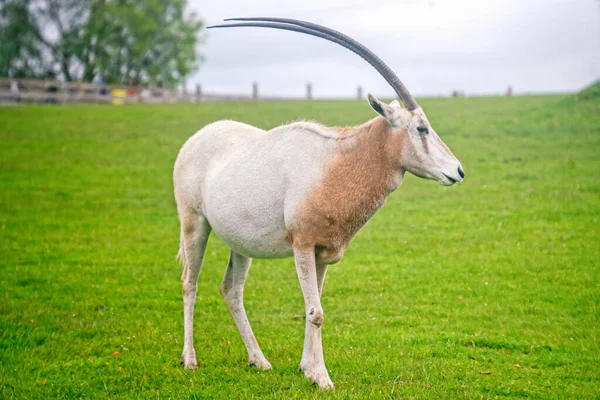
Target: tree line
116, 41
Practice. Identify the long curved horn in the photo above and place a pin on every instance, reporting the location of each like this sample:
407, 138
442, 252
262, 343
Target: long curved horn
336, 37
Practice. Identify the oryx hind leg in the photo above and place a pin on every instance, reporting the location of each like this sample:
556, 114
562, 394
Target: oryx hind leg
194, 236
232, 289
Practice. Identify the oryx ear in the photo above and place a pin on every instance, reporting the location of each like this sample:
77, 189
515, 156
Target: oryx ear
395, 103
381, 108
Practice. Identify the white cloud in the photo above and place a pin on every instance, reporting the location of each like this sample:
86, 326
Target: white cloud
433, 45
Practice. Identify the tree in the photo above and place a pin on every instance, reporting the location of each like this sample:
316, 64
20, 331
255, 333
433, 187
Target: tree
63, 22
149, 39
19, 49
117, 39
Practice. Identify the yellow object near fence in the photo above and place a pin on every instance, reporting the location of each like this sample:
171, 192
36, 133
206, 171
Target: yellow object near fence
119, 96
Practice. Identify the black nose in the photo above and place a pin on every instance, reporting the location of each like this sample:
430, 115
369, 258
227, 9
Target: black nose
461, 172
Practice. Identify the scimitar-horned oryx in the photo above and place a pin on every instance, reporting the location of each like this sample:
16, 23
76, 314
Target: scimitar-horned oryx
301, 190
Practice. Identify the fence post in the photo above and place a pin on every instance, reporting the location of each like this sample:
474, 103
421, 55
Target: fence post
62, 93
198, 92
308, 91
359, 92
255, 90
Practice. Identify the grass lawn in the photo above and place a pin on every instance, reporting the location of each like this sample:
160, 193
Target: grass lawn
487, 289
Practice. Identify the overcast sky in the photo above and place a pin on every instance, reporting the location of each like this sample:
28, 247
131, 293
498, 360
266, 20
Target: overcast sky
479, 46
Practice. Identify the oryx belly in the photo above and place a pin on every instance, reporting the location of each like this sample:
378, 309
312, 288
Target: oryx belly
252, 191
244, 205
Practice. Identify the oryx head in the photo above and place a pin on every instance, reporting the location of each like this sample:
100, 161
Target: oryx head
426, 156
424, 153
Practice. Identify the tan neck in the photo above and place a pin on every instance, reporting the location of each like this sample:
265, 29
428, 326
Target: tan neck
372, 157
364, 170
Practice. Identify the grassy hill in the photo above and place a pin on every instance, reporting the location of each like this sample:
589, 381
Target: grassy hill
486, 289
589, 94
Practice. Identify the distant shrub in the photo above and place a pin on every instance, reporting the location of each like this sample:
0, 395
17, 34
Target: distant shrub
591, 92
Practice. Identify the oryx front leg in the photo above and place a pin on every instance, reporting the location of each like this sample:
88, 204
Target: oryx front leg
311, 278
194, 236
232, 290
307, 351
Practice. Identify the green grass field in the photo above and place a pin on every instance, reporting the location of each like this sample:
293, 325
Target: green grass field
487, 289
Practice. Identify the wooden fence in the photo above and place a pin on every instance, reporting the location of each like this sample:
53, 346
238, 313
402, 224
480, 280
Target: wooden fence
47, 91
50, 91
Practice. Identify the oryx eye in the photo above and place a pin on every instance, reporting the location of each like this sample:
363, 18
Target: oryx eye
422, 129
